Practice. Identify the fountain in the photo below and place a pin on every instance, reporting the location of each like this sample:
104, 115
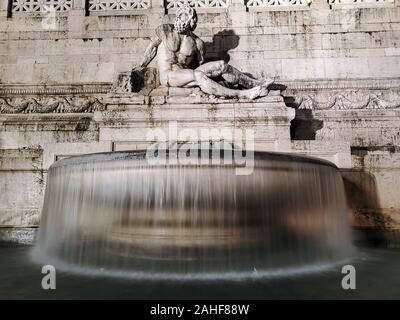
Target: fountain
123, 213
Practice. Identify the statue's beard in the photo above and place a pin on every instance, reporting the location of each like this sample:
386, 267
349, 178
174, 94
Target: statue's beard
182, 28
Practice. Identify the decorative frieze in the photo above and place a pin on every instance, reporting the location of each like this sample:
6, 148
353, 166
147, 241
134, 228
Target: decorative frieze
41, 5
101, 5
50, 105
315, 95
173, 4
301, 100
348, 101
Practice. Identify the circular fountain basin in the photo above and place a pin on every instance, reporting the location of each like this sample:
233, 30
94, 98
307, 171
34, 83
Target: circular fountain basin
120, 211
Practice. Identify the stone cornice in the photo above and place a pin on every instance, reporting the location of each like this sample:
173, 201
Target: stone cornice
103, 88
52, 89
332, 84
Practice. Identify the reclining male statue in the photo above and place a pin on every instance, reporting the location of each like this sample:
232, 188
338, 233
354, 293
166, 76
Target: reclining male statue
177, 46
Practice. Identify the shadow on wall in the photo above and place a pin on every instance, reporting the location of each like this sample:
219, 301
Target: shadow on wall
362, 198
219, 48
371, 225
304, 126
222, 42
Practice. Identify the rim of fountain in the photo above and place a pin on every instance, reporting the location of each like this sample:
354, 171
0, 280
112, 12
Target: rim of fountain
139, 155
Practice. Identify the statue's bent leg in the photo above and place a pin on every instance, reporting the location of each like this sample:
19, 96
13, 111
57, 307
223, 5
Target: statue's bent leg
211, 87
188, 77
213, 69
231, 74
181, 78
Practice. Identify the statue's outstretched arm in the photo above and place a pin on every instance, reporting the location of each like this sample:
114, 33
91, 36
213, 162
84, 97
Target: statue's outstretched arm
150, 52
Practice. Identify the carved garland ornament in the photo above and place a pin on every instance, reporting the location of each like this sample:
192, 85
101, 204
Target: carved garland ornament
341, 102
50, 105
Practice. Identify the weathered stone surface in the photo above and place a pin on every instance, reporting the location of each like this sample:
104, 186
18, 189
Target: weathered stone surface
141, 81
362, 128
334, 151
374, 137
340, 67
268, 117
298, 44
22, 184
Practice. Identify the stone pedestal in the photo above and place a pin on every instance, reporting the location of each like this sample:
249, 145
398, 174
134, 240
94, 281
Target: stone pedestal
134, 121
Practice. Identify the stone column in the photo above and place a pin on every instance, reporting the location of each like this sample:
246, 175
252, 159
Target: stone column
157, 6
319, 5
76, 18
237, 6
78, 5
3, 8
237, 11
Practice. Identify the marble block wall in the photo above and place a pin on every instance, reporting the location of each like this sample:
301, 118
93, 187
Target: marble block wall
340, 65
316, 42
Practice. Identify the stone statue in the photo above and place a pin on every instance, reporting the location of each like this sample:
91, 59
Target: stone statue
177, 46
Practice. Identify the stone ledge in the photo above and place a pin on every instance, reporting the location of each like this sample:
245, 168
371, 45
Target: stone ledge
50, 89
21, 234
104, 88
161, 96
359, 114
32, 118
355, 6
57, 151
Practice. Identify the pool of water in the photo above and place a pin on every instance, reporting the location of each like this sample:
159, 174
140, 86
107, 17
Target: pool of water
377, 277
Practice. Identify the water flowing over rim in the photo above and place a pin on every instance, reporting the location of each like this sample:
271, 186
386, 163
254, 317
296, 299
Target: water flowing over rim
138, 155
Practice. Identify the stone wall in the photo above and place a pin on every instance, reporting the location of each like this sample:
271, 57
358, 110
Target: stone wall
316, 42
340, 64
369, 121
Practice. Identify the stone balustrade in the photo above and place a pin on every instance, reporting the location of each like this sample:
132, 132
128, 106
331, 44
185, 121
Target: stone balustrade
278, 3
99, 5
173, 4
41, 5
32, 6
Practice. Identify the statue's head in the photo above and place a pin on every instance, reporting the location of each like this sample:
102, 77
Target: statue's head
186, 19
